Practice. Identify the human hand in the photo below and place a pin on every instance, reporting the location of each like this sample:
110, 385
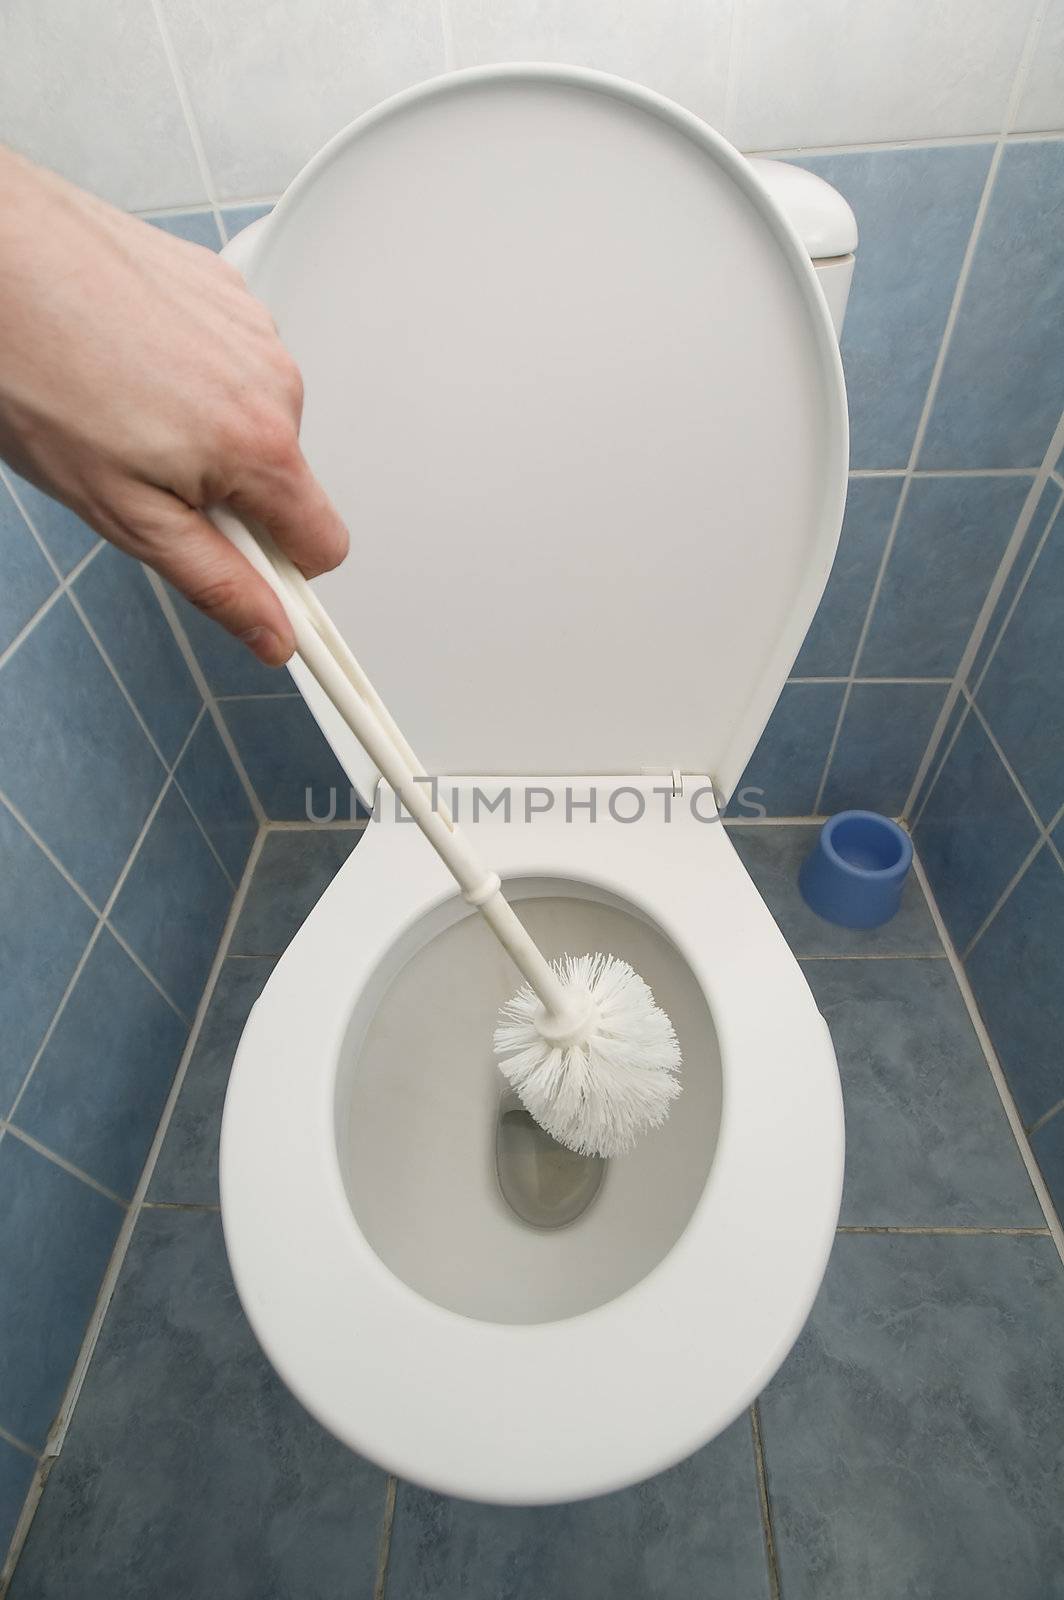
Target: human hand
141, 383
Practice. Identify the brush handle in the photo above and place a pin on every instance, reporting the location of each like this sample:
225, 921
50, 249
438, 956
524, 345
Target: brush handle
329, 659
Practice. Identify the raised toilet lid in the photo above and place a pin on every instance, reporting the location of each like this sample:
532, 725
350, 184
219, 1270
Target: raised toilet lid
572, 384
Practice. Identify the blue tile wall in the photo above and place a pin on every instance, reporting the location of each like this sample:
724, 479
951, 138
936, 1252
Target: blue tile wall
286, 754
197, 227
830, 644
882, 739
97, 703
1000, 396
783, 774
915, 209
950, 540
1046, 511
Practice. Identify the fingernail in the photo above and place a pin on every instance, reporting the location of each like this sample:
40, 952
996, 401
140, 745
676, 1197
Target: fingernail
265, 644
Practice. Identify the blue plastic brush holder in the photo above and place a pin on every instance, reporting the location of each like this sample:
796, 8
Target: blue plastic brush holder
855, 873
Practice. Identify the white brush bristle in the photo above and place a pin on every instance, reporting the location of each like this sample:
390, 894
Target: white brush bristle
598, 1095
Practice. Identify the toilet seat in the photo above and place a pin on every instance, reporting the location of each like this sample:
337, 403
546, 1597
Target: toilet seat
553, 1411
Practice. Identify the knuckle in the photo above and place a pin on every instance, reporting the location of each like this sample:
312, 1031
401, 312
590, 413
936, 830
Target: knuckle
215, 597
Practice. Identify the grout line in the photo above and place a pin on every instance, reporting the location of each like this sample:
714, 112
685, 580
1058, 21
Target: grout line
353, 825
198, 150
209, 698
996, 1071
1020, 588
983, 621
18, 1444
878, 955
58, 1432
385, 1547
49, 854
1020, 790
767, 1530
937, 142
61, 1161
963, 1233
286, 694
975, 472
179, 1205
1047, 1116
205, 208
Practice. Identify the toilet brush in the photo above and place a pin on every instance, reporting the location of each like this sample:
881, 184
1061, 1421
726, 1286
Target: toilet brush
590, 1055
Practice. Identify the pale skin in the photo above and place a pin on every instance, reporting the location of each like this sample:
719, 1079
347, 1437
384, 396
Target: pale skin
142, 383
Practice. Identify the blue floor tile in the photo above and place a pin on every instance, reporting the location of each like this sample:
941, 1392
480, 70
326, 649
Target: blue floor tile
773, 855
999, 397
1022, 693
16, 1473
912, 1439
56, 1238
1015, 973
695, 1530
197, 227
293, 872
216, 796
98, 1091
189, 1470
65, 536
173, 905
74, 759
286, 757
129, 623
882, 741
1046, 511
44, 928
1048, 1147
783, 774
832, 638
927, 1142
915, 210
26, 579
973, 834
187, 1170
950, 540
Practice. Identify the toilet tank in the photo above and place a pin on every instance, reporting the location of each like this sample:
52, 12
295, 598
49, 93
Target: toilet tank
822, 220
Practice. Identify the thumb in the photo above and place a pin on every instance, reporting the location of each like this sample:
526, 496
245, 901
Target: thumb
186, 549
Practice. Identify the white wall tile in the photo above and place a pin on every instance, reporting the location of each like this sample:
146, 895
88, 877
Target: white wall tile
1041, 107
271, 80
87, 90
678, 47
824, 72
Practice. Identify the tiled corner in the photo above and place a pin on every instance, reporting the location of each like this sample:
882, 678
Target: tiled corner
291, 766
266, 98
291, 875
16, 1473
831, 642
912, 1436
943, 744
1022, 692
188, 1468
195, 227
915, 209
1015, 973
26, 579
884, 733
128, 621
1043, 518
186, 1172
950, 540
44, 928
210, 783
56, 1237
773, 854
237, 218
783, 774
678, 48
228, 666
927, 1141
973, 834
173, 904
1000, 395
658, 1541
66, 538
98, 1091
74, 759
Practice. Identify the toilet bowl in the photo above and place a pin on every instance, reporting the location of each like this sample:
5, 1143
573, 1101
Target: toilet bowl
551, 327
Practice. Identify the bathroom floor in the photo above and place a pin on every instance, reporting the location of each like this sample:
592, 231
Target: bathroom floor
910, 1446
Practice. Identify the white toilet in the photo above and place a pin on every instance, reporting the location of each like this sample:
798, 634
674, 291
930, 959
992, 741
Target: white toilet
558, 336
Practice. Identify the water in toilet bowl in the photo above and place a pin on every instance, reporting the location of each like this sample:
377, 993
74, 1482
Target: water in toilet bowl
469, 1211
